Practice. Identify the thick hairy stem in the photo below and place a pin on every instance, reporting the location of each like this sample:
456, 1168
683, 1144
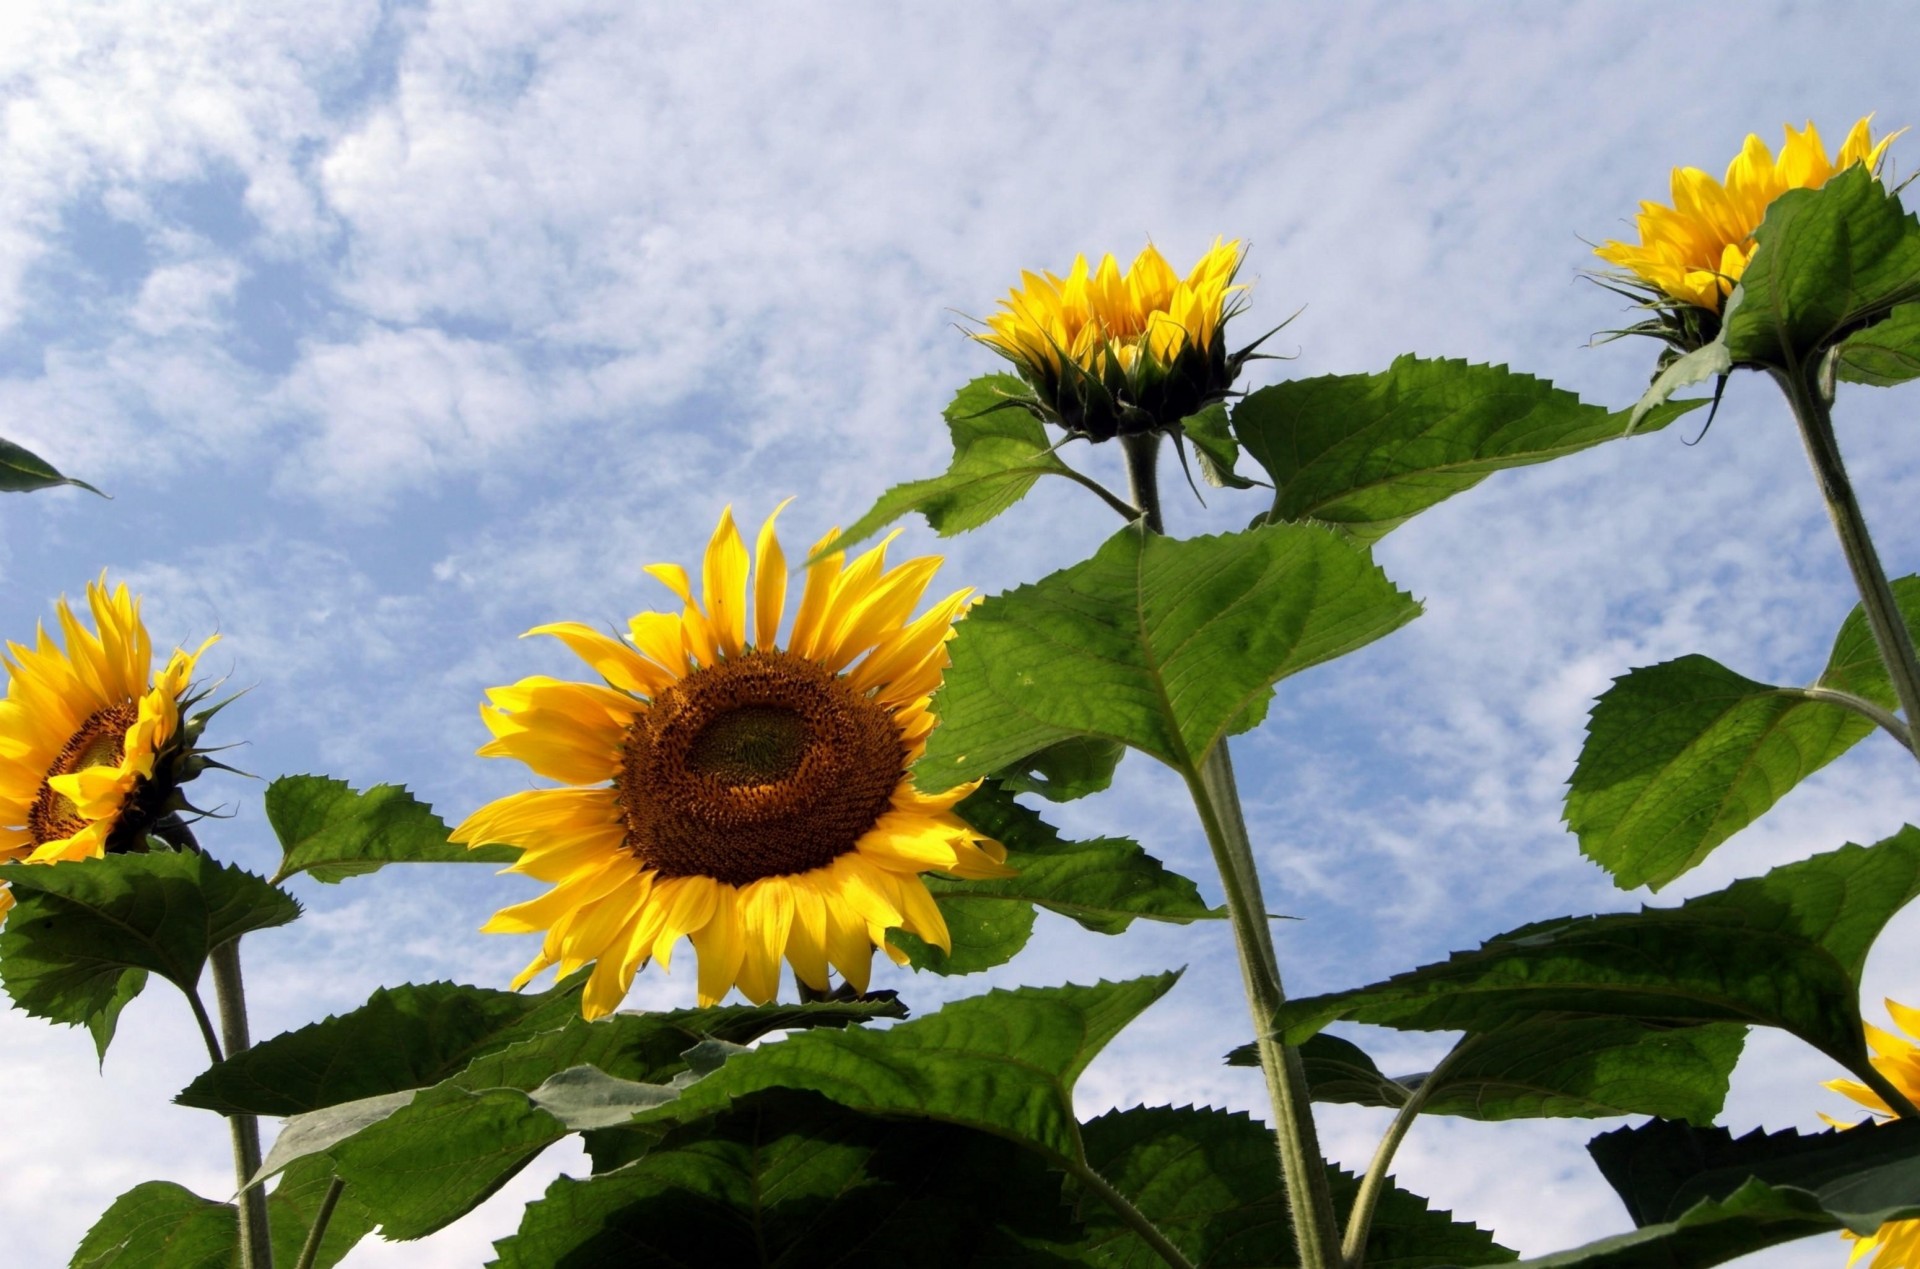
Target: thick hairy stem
1815, 417
256, 1244
1373, 1185
1302, 1166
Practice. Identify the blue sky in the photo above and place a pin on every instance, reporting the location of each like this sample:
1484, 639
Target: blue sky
397, 329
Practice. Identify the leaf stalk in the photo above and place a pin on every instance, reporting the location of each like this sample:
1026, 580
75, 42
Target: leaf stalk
1353, 1250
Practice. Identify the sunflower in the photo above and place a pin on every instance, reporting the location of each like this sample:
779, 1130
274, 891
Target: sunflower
1108, 352
1895, 1245
93, 746
752, 797
1693, 252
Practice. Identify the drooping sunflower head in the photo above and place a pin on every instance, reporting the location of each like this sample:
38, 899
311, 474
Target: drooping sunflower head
752, 797
1692, 254
94, 745
1895, 1245
1110, 352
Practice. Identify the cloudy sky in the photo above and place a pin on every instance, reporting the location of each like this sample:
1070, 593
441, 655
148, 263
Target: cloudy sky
396, 329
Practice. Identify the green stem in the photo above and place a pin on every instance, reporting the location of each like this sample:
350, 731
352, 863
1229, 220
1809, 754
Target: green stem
1302, 1166
1127, 510
256, 1243
310, 1250
1126, 1211
1884, 719
1812, 412
1373, 1185
1898, 1102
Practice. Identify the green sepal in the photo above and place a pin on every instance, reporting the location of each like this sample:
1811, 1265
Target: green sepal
160, 1225
22, 471
331, 831
1105, 884
1215, 450
1783, 950
1209, 1180
1161, 644
999, 450
1682, 755
786, 1178
79, 927
1365, 453
1549, 1067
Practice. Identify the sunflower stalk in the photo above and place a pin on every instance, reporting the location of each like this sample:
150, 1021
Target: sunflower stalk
1217, 800
256, 1244
1813, 411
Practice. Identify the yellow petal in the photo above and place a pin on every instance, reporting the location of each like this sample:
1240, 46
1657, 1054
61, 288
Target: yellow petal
724, 582
769, 583
720, 945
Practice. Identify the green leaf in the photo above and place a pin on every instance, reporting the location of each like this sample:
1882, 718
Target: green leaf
1712, 1199
78, 929
1885, 353
1829, 261
999, 450
1214, 447
1783, 950
294, 1205
1004, 1062
1368, 452
22, 471
1105, 884
160, 1225
1156, 643
1065, 771
1209, 1180
785, 1178
1550, 1066
330, 831
1681, 756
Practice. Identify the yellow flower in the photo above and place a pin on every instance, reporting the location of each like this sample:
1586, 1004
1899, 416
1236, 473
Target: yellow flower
92, 749
1695, 251
1110, 352
1895, 1245
752, 797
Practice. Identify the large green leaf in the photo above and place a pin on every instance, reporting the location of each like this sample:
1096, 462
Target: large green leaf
1105, 884
82, 931
160, 1225
1703, 1198
330, 831
1885, 353
1157, 643
1682, 755
1550, 1066
1209, 1180
1368, 452
999, 450
1004, 1062
793, 1180
22, 471
1784, 950
1830, 260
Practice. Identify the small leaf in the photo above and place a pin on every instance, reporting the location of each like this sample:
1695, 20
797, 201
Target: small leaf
80, 926
1004, 1062
1885, 353
1829, 261
1368, 452
1709, 361
999, 450
330, 831
1783, 950
1681, 756
1214, 448
22, 471
160, 1225
789, 1179
1105, 884
1209, 1180
1060, 773
1156, 643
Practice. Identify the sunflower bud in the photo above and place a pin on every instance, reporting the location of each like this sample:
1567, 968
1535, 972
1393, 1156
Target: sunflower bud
1121, 354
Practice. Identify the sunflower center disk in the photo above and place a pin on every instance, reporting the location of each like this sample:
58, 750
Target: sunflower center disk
100, 742
762, 765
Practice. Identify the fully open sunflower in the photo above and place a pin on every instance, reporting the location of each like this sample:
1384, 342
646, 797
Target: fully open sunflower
93, 745
1895, 1245
752, 797
1694, 252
